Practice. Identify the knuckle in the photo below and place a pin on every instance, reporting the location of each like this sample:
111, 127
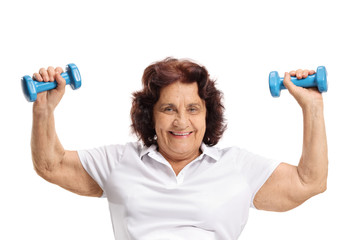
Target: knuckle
59, 70
37, 77
51, 69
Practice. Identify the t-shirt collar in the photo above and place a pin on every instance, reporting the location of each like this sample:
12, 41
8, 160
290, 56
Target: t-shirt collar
212, 152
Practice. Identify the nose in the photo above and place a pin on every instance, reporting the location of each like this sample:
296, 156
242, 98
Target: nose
181, 120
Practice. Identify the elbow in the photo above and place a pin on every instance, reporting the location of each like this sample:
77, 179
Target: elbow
43, 173
318, 188
46, 168
309, 192
323, 187
321, 184
314, 183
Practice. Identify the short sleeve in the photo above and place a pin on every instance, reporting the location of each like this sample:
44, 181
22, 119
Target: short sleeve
99, 162
257, 170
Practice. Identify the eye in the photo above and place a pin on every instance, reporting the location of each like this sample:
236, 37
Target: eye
168, 109
193, 110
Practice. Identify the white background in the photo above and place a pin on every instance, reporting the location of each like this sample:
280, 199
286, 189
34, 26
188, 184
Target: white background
239, 42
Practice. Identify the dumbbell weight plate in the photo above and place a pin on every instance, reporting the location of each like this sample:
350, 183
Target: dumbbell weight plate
322, 79
28, 88
274, 83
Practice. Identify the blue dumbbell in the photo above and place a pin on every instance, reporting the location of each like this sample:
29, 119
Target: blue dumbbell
318, 80
32, 87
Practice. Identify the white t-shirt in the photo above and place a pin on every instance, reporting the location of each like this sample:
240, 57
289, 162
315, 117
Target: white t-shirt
209, 199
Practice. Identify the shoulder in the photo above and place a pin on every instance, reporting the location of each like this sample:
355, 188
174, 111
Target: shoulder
225, 156
233, 152
135, 149
113, 151
241, 157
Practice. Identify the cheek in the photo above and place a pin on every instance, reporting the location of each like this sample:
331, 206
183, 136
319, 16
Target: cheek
162, 123
200, 124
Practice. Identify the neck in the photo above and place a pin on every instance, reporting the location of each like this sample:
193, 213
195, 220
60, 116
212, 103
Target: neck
179, 161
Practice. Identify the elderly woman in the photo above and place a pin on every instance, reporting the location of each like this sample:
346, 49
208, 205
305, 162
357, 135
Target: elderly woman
174, 184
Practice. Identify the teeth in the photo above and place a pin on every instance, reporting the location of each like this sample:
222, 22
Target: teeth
180, 134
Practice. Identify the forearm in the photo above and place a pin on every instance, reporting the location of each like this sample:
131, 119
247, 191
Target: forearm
47, 151
313, 165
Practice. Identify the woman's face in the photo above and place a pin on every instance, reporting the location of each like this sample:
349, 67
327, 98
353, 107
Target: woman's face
180, 121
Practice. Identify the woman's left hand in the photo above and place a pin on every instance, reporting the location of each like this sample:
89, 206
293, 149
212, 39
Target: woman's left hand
306, 97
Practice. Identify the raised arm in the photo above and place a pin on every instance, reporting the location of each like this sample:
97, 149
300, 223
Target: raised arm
51, 161
289, 186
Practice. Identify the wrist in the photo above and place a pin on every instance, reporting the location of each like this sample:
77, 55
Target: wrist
313, 106
42, 110
313, 109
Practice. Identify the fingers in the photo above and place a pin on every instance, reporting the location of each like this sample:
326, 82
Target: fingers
47, 75
59, 70
312, 72
38, 77
289, 84
300, 73
42, 76
287, 80
59, 79
51, 74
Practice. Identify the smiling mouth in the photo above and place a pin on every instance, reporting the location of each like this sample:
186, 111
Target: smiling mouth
181, 134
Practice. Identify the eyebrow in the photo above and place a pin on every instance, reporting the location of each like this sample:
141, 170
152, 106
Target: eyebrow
194, 105
173, 105
167, 105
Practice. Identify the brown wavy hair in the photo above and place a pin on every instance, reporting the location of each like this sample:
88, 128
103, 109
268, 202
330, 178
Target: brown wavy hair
164, 73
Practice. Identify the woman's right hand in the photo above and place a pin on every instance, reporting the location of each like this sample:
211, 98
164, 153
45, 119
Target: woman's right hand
48, 100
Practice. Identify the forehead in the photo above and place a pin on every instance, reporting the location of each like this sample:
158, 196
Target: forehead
180, 91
